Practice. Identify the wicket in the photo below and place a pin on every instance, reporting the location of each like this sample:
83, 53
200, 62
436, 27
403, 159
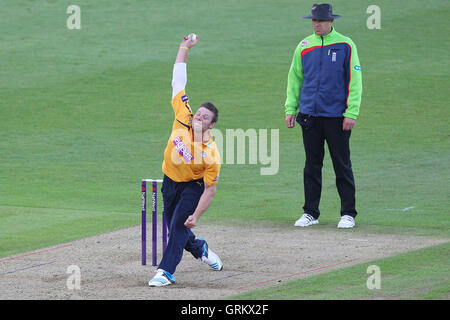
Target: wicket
154, 222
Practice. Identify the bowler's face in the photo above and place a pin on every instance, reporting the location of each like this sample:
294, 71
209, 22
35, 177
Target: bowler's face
206, 117
322, 27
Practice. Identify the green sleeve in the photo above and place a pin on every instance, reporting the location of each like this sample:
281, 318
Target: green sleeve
295, 81
355, 86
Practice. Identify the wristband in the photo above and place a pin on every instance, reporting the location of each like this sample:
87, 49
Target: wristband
185, 48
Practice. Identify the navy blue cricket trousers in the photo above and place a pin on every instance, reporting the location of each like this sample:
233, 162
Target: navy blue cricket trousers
180, 201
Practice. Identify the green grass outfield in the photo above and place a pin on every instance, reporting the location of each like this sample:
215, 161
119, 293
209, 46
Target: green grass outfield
85, 114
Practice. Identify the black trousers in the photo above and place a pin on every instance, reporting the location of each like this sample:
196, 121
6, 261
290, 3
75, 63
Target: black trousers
329, 130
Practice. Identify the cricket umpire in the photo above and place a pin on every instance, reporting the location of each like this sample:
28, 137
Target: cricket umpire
324, 96
191, 169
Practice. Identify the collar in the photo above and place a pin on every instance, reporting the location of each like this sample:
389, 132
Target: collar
210, 141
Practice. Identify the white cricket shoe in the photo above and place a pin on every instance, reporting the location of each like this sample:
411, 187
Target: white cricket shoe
346, 222
210, 258
306, 220
162, 278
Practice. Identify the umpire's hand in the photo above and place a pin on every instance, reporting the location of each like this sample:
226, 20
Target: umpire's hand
348, 124
290, 120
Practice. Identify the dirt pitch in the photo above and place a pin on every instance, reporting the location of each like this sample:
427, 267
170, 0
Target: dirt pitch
254, 256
